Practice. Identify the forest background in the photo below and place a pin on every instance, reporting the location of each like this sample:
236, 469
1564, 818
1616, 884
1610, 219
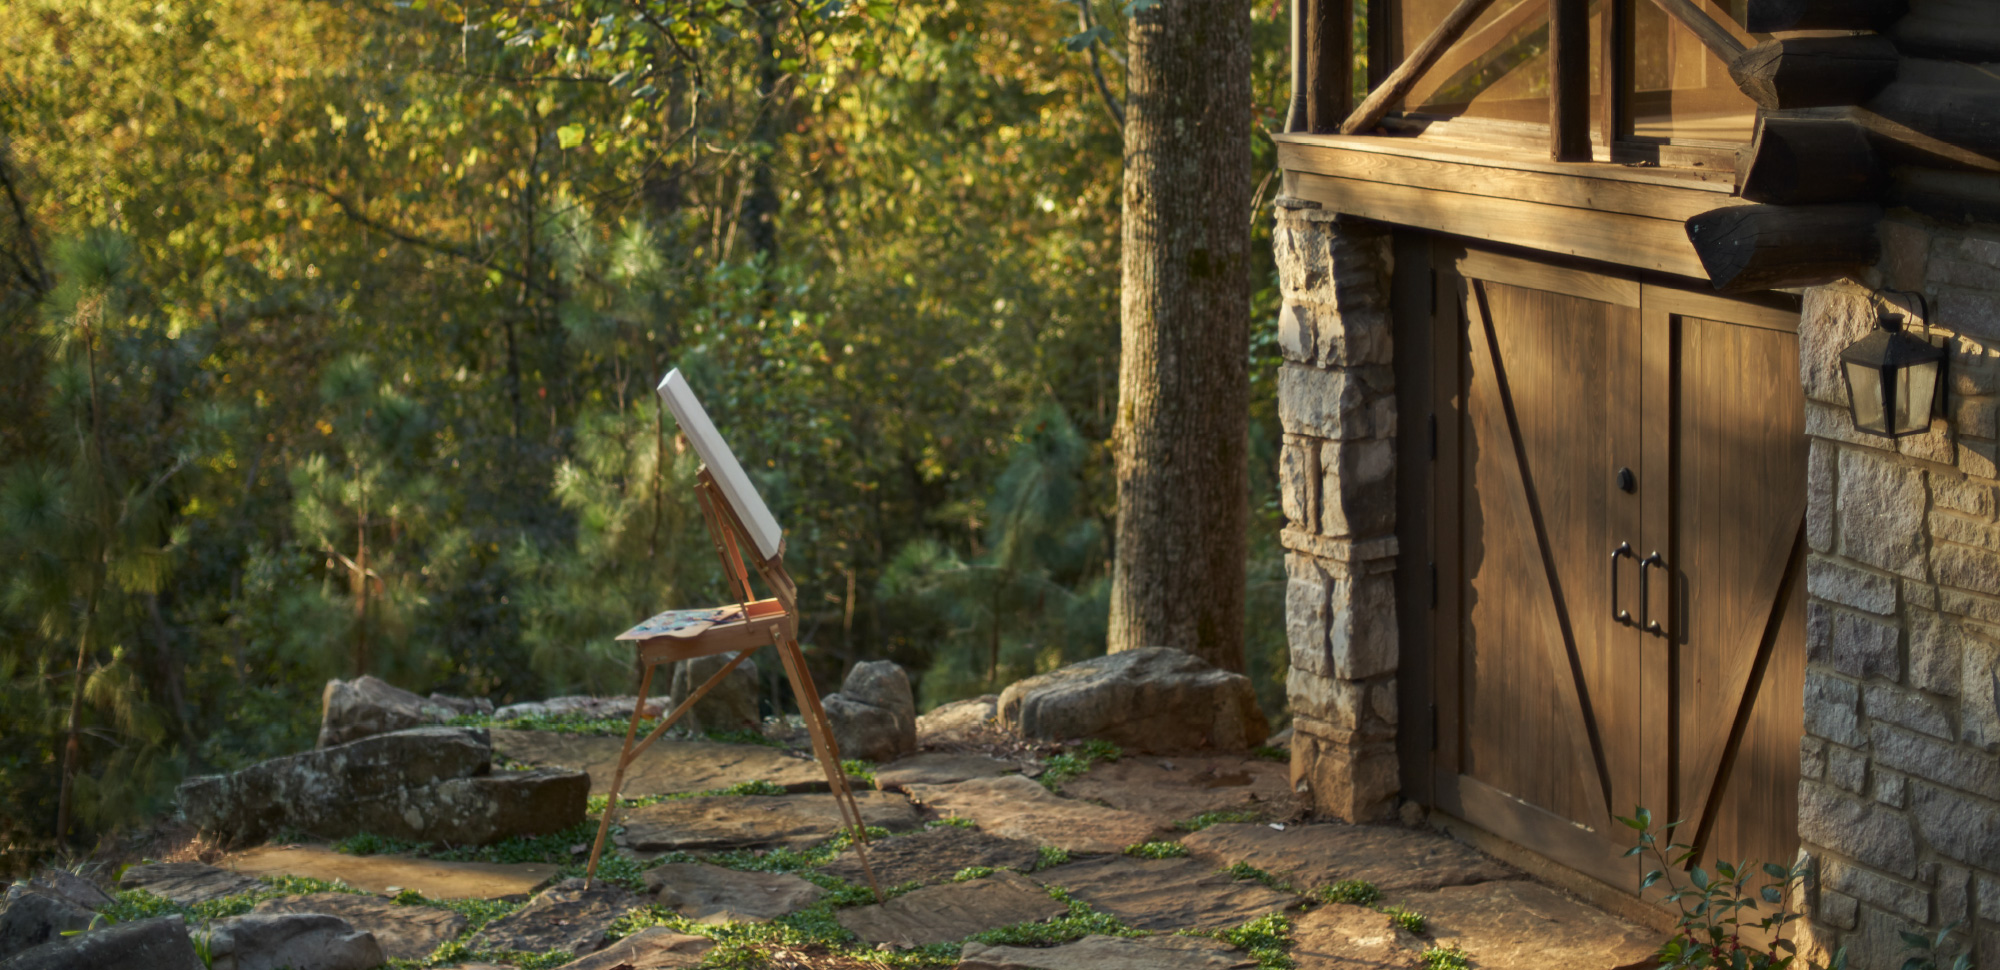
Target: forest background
328, 332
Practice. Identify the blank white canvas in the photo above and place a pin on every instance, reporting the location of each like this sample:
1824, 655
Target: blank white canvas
714, 452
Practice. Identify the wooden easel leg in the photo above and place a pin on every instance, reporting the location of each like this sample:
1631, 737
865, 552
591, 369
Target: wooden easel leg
618, 777
827, 752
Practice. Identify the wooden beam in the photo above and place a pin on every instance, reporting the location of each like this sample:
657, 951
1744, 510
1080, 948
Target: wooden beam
1765, 247
1569, 80
1815, 72
1714, 36
1398, 83
1808, 161
1963, 116
1765, 16
1330, 47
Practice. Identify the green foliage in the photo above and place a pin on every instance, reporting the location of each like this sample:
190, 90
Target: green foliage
1049, 857
1244, 870
1269, 753
1206, 819
1408, 919
1079, 922
856, 768
368, 843
1157, 850
1354, 892
1930, 952
970, 873
1448, 957
1067, 765
1716, 908
953, 821
1265, 938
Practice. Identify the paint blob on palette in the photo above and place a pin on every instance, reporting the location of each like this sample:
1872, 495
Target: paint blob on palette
682, 623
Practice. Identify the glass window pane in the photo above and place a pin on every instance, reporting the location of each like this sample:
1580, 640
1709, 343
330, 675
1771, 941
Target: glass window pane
1682, 91
1498, 69
1914, 396
1864, 388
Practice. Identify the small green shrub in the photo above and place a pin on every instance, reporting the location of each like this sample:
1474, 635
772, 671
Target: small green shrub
857, 768
1408, 919
1448, 957
1354, 892
1265, 938
953, 821
1059, 768
758, 787
1244, 870
1929, 950
1157, 850
970, 873
1079, 922
368, 843
1048, 857
1268, 753
1206, 819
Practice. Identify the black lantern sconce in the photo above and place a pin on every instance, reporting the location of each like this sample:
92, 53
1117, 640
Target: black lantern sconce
1893, 378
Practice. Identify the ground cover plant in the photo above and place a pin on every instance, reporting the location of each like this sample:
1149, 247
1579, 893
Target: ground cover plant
1716, 906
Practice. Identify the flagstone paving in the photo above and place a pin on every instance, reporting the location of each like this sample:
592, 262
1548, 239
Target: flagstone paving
1172, 789
669, 767
1019, 808
1167, 894
187, 883
712, 894
1339, 937
1110, 953
1527, 924
565, 917
749, 821
390, 874
953, 911
1397, 860
657, 948
405, 932
940, 768
934, 855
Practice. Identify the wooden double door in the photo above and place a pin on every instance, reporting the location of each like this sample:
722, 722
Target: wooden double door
1603, 555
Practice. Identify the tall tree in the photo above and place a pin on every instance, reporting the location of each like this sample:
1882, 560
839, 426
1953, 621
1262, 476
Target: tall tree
1183, 372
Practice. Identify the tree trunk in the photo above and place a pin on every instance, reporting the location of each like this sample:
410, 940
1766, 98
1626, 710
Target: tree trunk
1183, 372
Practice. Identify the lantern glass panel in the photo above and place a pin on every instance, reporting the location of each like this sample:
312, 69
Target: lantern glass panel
1864, 389
1915, 387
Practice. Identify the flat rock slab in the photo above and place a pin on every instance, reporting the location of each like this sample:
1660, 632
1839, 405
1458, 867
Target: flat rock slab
1338, 937
939, 768
188, 883
405, 932
1017, 808
1167, 894
382, 873
657, 948
712, 894
669, 767
953, 911
1396, 860
1522, 925
932, 856
1172, 789
1110, 953
564, 917
748, 821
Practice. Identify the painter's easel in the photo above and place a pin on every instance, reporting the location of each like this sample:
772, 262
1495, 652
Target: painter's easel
741, 628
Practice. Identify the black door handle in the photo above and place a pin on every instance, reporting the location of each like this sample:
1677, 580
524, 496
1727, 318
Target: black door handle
1624, 549
1645, 590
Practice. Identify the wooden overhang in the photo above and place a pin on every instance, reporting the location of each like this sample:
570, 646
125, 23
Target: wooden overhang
1902, 110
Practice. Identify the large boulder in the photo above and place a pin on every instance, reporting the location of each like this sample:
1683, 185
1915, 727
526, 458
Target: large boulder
874, 716
33, 917
957, 722
1155, 699
153, 944
731, 706
366, 706
291, 941
72, 887
429, 784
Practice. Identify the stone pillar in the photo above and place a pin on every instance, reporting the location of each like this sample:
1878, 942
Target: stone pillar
1337, 406
1899, 803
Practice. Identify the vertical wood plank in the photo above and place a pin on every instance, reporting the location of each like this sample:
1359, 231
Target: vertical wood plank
1569, 80
1449, 380
1416, 487
1658, 715
1331, 66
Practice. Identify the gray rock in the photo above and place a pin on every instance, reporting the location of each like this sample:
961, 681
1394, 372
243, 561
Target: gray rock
874, 716
365, 706
1395, 859
1110, 953
940, 768
731, 706
404, 932
670, 767
1167, 894
615, 708
953, 911
957, 722
187, 883
151, 944
70, 886
427, 784
35, 917
658, 948
932, 856
1155, 699
564, 917
712, 894
1014, 807
715, 822
290, 941
462, 706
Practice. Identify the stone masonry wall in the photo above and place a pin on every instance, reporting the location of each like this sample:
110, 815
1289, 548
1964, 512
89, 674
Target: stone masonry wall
1899, 806
1337, 406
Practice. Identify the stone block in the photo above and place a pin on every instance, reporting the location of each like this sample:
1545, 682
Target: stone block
1812, 757
1308, 613
1903, 899
1836, 909
1358, 492
1977, 458
1989, 896
1333, 404
1969, 311
1953, 893
1938, 444
1848, 585
1833, 317
1871, 834
1298, 481
1920, 594
1905, 255
1906, 708
1882, 513
1962, 495
1976, 416
1851, 644
1934, 652
1957, 825
1322, 260
1974, 366
1832, 709
1382, 700
1340, 703
1847, 769
1967, 567
1977, 249
1964, 530
1355, 333
1937, 761
1362, 632
1354, 782
1890, 788
1820, 512
1979, 704
1296, 338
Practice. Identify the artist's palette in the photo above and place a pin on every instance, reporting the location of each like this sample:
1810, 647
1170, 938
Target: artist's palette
683, 623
